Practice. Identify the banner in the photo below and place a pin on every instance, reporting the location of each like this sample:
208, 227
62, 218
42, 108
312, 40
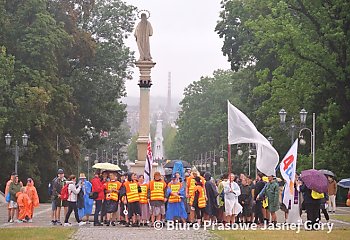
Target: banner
242, 130
288, 168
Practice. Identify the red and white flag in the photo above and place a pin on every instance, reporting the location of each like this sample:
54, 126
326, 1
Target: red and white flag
149, 161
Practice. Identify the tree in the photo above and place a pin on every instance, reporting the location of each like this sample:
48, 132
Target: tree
307, 42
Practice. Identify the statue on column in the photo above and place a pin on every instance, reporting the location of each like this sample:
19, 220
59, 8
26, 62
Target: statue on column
142, 33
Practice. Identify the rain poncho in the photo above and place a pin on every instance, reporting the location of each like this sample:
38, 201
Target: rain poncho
88, 203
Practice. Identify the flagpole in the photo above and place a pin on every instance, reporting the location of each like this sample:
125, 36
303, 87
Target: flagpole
229, 160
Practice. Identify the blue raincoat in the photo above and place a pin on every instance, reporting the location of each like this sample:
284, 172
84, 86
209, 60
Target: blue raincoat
176, 209
179, 167
88, 203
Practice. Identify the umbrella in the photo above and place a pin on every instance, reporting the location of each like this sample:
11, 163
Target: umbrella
315, 180
327, 172
172, 162
106, 166
345, 183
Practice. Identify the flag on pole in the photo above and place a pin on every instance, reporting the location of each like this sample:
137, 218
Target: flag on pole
288, 168
242, 130
149, 161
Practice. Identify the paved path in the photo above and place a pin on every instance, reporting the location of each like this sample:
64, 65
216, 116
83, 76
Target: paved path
42, 218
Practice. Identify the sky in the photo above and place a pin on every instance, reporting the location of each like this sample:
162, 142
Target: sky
184, 43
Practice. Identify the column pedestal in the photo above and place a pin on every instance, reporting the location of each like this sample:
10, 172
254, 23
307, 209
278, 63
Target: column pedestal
145, 84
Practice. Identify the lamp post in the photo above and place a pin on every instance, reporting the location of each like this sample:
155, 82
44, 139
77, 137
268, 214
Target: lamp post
222, 159
292, 127
66, 150
16, 150
302, 141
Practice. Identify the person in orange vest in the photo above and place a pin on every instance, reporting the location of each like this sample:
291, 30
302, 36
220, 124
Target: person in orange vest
190, 185
176, 205
132, 190
157, 191
198, 199
24, 203
112, 189
33, 196
144, 205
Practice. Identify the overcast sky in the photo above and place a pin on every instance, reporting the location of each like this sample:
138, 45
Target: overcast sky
183, 42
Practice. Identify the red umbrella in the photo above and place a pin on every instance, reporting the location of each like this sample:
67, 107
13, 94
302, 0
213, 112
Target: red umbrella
315, 180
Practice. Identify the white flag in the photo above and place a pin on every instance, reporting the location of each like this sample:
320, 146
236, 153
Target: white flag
288, 168
149, 161
242, 130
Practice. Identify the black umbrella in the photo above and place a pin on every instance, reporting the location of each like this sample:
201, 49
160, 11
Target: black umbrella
327, 172
172, 162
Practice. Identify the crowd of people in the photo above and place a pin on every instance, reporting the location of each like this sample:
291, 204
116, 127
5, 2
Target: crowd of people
126, 199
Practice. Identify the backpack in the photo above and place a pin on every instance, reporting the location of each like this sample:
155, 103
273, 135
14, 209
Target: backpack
50, 187
316, 195
64, 193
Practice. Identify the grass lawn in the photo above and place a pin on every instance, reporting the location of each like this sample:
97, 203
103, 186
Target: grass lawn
39, 233
344, 218
338, 234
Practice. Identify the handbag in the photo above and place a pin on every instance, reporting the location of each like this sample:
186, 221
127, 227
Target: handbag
8, 197
93, 195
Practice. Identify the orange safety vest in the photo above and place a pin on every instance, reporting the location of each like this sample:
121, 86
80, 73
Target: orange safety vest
143, 194
191, 184
175, 188
112, 185
132, 193
157, 190
201, 198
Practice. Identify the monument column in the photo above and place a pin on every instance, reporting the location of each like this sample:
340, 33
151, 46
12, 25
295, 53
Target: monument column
145, 84
142, 33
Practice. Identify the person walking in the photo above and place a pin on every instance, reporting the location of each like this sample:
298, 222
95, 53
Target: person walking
33, 196
259, 186
198, 200
132, 199
271, 192
14, 188
157, 189
72, 201
332, 192
144, 201
112, 188
98, 191
211, 194
245, 199
312, 206
232, 192
24, 205
84, 203
176, 207
56, 191
7, 189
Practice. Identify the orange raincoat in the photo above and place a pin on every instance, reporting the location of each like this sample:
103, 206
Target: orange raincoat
33, 196
24, 203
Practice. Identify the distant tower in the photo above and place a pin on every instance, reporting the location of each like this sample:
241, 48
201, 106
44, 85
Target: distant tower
158, 153
168, 106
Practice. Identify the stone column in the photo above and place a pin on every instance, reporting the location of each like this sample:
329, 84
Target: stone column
145, 84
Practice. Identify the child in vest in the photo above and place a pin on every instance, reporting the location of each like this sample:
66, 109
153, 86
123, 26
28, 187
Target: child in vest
24, 204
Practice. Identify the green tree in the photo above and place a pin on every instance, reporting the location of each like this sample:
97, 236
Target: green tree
307, 43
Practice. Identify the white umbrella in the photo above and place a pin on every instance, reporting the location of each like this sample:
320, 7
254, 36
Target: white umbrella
106, 166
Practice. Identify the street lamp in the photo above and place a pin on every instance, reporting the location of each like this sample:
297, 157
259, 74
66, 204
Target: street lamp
66, 150
16, 150
292, 127
270, 139
302, 141
239, 151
